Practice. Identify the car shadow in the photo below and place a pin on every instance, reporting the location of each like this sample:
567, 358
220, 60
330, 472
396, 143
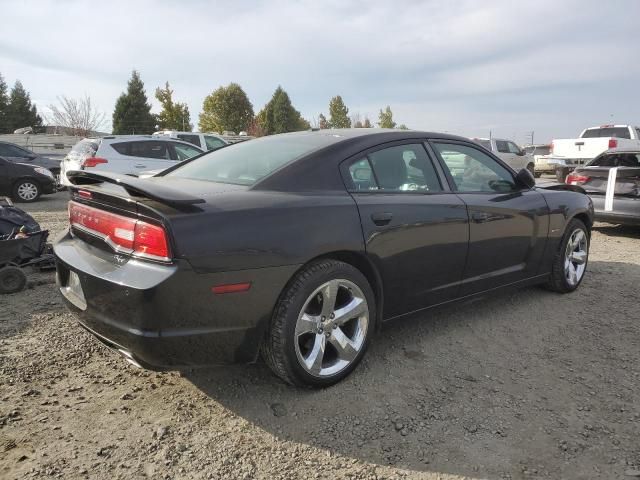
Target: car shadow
611, 230
500, 387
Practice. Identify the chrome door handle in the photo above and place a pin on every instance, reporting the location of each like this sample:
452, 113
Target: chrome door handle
381, 218
139, 165
480, 217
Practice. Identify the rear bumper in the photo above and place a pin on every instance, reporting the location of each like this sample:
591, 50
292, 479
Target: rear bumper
626, 210
166, 316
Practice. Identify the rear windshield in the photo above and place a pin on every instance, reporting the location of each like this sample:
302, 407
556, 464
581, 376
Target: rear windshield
247, 162
84, 148
539, 150
616, 160
618, 132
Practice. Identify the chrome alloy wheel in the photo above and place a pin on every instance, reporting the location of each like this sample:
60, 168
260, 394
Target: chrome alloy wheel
575, 257
27, 191
331, 328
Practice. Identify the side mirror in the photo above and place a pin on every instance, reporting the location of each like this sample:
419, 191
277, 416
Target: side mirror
525, 178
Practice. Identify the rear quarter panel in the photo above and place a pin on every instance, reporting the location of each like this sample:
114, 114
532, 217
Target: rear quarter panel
258, 229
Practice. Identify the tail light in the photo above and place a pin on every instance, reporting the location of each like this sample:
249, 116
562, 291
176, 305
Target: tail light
123, 234
93, 161
576, 179
551, 148
613, 143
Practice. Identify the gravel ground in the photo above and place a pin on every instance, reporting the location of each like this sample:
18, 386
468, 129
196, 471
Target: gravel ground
528, 384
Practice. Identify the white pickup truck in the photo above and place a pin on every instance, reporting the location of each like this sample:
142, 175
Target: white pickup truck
568, 153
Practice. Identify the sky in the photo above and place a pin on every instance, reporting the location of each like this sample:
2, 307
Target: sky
469, 67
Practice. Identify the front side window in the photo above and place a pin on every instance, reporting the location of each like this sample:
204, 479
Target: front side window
213, 143
513, 148
12, 151
184, 152
502, 146
473, 170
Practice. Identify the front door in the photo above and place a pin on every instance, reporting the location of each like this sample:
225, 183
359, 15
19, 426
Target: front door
508, 224
415, 229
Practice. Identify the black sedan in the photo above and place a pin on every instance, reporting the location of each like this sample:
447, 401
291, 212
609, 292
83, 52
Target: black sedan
299, 246
612, 180
24, 183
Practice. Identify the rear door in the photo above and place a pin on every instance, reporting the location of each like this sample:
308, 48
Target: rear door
415, 229
141, 155
508, 224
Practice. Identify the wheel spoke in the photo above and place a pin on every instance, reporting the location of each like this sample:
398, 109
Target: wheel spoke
579, 257
573, 275
578, 237
306, 324
353, 309
329, 295
345, 347
313, 361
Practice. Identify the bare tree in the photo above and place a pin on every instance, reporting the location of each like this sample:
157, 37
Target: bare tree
355, 120
78, 116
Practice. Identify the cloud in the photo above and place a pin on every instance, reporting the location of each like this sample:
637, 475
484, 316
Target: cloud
554, 67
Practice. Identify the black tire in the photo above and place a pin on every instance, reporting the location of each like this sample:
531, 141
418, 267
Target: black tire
278, 348
12, 279
26, 190
558, 281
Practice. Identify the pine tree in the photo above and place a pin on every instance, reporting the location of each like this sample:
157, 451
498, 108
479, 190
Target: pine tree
385, 118
403, 127
227, 108
338, 113
322, 122
132, 113
20, 112
4, 103
279, 116
174, 116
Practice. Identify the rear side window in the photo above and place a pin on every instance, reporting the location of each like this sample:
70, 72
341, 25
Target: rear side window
403, 168
213, 143
618, 132
194, 139
121, 148
149, 149
617, 160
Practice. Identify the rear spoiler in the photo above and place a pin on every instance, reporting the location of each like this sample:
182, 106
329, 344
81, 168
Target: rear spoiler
561, 186
135, 186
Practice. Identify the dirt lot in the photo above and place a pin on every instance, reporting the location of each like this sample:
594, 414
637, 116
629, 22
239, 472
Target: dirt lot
524, 385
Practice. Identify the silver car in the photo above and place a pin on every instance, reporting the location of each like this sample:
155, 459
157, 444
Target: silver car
128, 154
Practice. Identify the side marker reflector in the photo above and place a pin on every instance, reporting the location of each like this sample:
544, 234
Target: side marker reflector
231, 288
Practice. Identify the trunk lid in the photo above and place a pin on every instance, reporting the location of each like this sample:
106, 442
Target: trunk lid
627, 180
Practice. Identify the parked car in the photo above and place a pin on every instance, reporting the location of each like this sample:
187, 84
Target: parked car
570, 153
23, 182
541, 158
16, 154
128, 154
612, 180
300, 245
509, 152
205, 141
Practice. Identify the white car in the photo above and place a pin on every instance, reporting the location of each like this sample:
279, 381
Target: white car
205, 141
128, 154
508, 152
